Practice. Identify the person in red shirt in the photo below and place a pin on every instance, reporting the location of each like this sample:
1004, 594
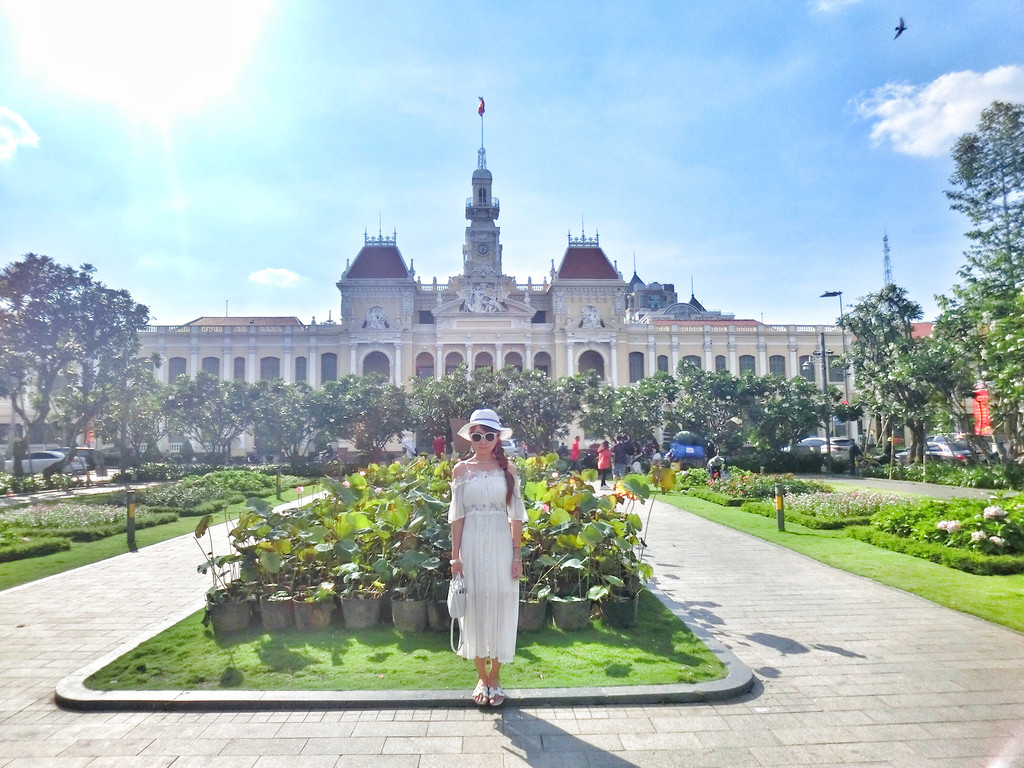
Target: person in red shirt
574, 453
439, 446
604, 462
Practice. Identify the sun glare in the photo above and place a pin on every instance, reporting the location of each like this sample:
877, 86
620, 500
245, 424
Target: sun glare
153, 59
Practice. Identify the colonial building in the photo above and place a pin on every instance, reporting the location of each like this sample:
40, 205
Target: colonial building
582, 316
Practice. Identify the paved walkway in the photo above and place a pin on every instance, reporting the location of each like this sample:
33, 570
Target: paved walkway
849, 673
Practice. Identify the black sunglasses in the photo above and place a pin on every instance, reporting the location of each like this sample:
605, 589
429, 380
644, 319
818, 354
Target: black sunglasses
490, 437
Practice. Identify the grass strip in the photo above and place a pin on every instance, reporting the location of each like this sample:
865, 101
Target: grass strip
17, 572
999, 599
660, 649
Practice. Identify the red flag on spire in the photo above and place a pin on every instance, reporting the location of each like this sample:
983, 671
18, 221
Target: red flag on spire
480, 109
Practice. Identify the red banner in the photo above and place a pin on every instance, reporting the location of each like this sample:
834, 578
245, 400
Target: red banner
982, 423
480, 109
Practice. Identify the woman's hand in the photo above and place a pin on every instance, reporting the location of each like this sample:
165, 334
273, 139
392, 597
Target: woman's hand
517, 569
456, 567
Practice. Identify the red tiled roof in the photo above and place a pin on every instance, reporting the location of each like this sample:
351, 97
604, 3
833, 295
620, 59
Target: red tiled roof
235, 321
586, 264
920, 330
377, 261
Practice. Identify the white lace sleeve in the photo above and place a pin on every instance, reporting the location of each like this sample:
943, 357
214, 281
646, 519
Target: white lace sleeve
457, 510
516, 508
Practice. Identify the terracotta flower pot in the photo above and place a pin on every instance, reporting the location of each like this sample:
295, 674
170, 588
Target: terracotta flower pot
227, 618
276, 615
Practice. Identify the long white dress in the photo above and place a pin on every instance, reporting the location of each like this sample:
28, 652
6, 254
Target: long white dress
489, 625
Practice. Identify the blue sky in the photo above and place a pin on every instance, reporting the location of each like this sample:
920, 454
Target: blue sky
198, 153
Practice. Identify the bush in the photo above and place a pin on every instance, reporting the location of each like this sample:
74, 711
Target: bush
997, 477
856, 505
766, 509
714, 497
31, 546
967, 524
963, 560
749, 485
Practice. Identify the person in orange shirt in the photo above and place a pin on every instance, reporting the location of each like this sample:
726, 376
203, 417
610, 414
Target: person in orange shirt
604, 462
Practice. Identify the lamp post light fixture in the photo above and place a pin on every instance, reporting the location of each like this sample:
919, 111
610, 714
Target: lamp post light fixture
823, 355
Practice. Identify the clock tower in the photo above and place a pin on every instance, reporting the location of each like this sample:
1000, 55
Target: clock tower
481, 254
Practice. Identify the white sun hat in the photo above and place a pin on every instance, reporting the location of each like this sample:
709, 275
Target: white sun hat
485, 417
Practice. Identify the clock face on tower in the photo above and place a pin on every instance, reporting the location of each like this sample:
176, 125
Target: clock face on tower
482, 248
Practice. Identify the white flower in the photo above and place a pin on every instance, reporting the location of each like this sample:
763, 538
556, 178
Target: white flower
996, 540
953, 526
978, 536
991, 513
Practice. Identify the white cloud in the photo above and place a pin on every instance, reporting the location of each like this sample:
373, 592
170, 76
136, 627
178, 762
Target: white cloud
926, 120
281, 278
14, 131
826, 6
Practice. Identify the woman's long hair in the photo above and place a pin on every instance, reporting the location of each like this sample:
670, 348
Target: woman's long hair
502, 459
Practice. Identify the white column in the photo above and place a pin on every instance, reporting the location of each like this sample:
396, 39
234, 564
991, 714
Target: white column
439, 362
762, 358
250, 374
498, 362
398, 363
528, 362
312, 364
674, 348
614, 363
193, 363
652, 358
570, 363
352, 358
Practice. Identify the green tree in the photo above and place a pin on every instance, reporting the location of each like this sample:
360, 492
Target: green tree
135, 420
895, 372
780, 411
211, 412
284, 420
68, 341
988, 187
711, 403
434, 403
367, 410
537, 408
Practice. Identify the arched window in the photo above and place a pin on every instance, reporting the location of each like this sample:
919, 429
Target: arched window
328, 367
483, 360
377, 363
425, 365
636, 367
452, 361
483, 196
514, 360
694, 360
592, 361
835, 371
176, 367
211, 365
238, 374
663, 363
720, 363
746, 364
270, 368
777, 365
300, 370
542, 362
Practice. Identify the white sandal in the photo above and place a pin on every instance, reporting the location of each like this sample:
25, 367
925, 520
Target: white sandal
481, 694
496, 696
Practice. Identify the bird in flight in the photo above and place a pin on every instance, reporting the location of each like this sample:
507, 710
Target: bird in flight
901, 28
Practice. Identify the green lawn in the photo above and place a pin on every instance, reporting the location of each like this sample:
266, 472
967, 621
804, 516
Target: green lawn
999, 599
659, 650
29, 569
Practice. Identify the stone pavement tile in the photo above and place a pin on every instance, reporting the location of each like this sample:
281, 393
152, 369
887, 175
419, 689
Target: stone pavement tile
166, 730
240, 730
708, 757
495, 760
100, 747
343, 746
314, 730
297, 761
46, 762
48, 748
804, 754
380, 761
193, 746
544, 760
234, 761
609, 742
627, 725
976, 747
463, 728
660, 741
637, 759
390, 729
692, 721
267, 746
853, 733
131, 761
418, 745
732, 738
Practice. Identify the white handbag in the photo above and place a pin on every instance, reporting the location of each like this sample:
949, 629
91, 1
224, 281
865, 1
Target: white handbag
456, 607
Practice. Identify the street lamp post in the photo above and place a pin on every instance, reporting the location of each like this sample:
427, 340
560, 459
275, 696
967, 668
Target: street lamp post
846, 367
824, 354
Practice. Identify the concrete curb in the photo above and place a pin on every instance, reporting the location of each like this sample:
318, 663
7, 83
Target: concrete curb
71, 692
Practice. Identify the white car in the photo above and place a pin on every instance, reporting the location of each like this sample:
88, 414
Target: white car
37, 461
513, 449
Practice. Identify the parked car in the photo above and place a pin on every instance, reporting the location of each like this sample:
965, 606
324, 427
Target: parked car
512, 449
38, 461
817, 445
951, 453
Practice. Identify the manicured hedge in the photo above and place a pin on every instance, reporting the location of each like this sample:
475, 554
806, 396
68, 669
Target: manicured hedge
963, 560
36, 547
797, 518
714, 497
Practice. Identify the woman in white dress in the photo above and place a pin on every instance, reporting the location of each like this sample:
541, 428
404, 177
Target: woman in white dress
487, 515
